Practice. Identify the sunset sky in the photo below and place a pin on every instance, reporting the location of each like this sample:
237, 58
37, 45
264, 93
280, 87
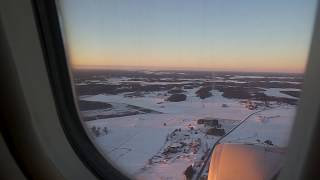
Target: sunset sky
233, 35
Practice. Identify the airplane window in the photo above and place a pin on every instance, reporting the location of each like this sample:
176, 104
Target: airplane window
175, 89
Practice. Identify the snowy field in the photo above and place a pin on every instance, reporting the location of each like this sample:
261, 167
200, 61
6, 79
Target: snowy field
133, 140
271, 125
149, 137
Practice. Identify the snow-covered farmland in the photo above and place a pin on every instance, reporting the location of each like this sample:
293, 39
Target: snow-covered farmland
272, 125
276, 92
133, 140
149, 137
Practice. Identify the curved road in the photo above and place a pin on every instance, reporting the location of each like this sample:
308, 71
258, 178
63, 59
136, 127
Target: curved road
218, 141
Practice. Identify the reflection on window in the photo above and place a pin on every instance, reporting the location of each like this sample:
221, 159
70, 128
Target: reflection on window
171, 89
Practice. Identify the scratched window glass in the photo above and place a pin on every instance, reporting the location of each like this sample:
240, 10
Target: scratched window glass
171, 89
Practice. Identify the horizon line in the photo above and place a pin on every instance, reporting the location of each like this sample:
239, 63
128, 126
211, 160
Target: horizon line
139, 68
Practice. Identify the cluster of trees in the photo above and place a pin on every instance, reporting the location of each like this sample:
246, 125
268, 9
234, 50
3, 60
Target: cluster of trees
98, 131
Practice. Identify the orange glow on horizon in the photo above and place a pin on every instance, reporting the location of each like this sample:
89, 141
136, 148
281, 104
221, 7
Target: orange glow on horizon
239, 60
237, 64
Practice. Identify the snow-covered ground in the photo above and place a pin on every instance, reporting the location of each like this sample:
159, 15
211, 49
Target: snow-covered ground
133, 140
193, 107
137, 144
273, 125
276, 92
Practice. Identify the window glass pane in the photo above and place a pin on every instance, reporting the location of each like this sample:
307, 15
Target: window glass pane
167, 86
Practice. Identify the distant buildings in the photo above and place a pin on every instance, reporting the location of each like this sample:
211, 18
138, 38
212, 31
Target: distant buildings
215, 127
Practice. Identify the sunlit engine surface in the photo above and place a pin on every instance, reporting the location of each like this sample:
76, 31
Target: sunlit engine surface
245, 161
188, 89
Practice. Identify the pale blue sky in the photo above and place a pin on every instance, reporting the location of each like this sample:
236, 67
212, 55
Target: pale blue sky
217, 34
